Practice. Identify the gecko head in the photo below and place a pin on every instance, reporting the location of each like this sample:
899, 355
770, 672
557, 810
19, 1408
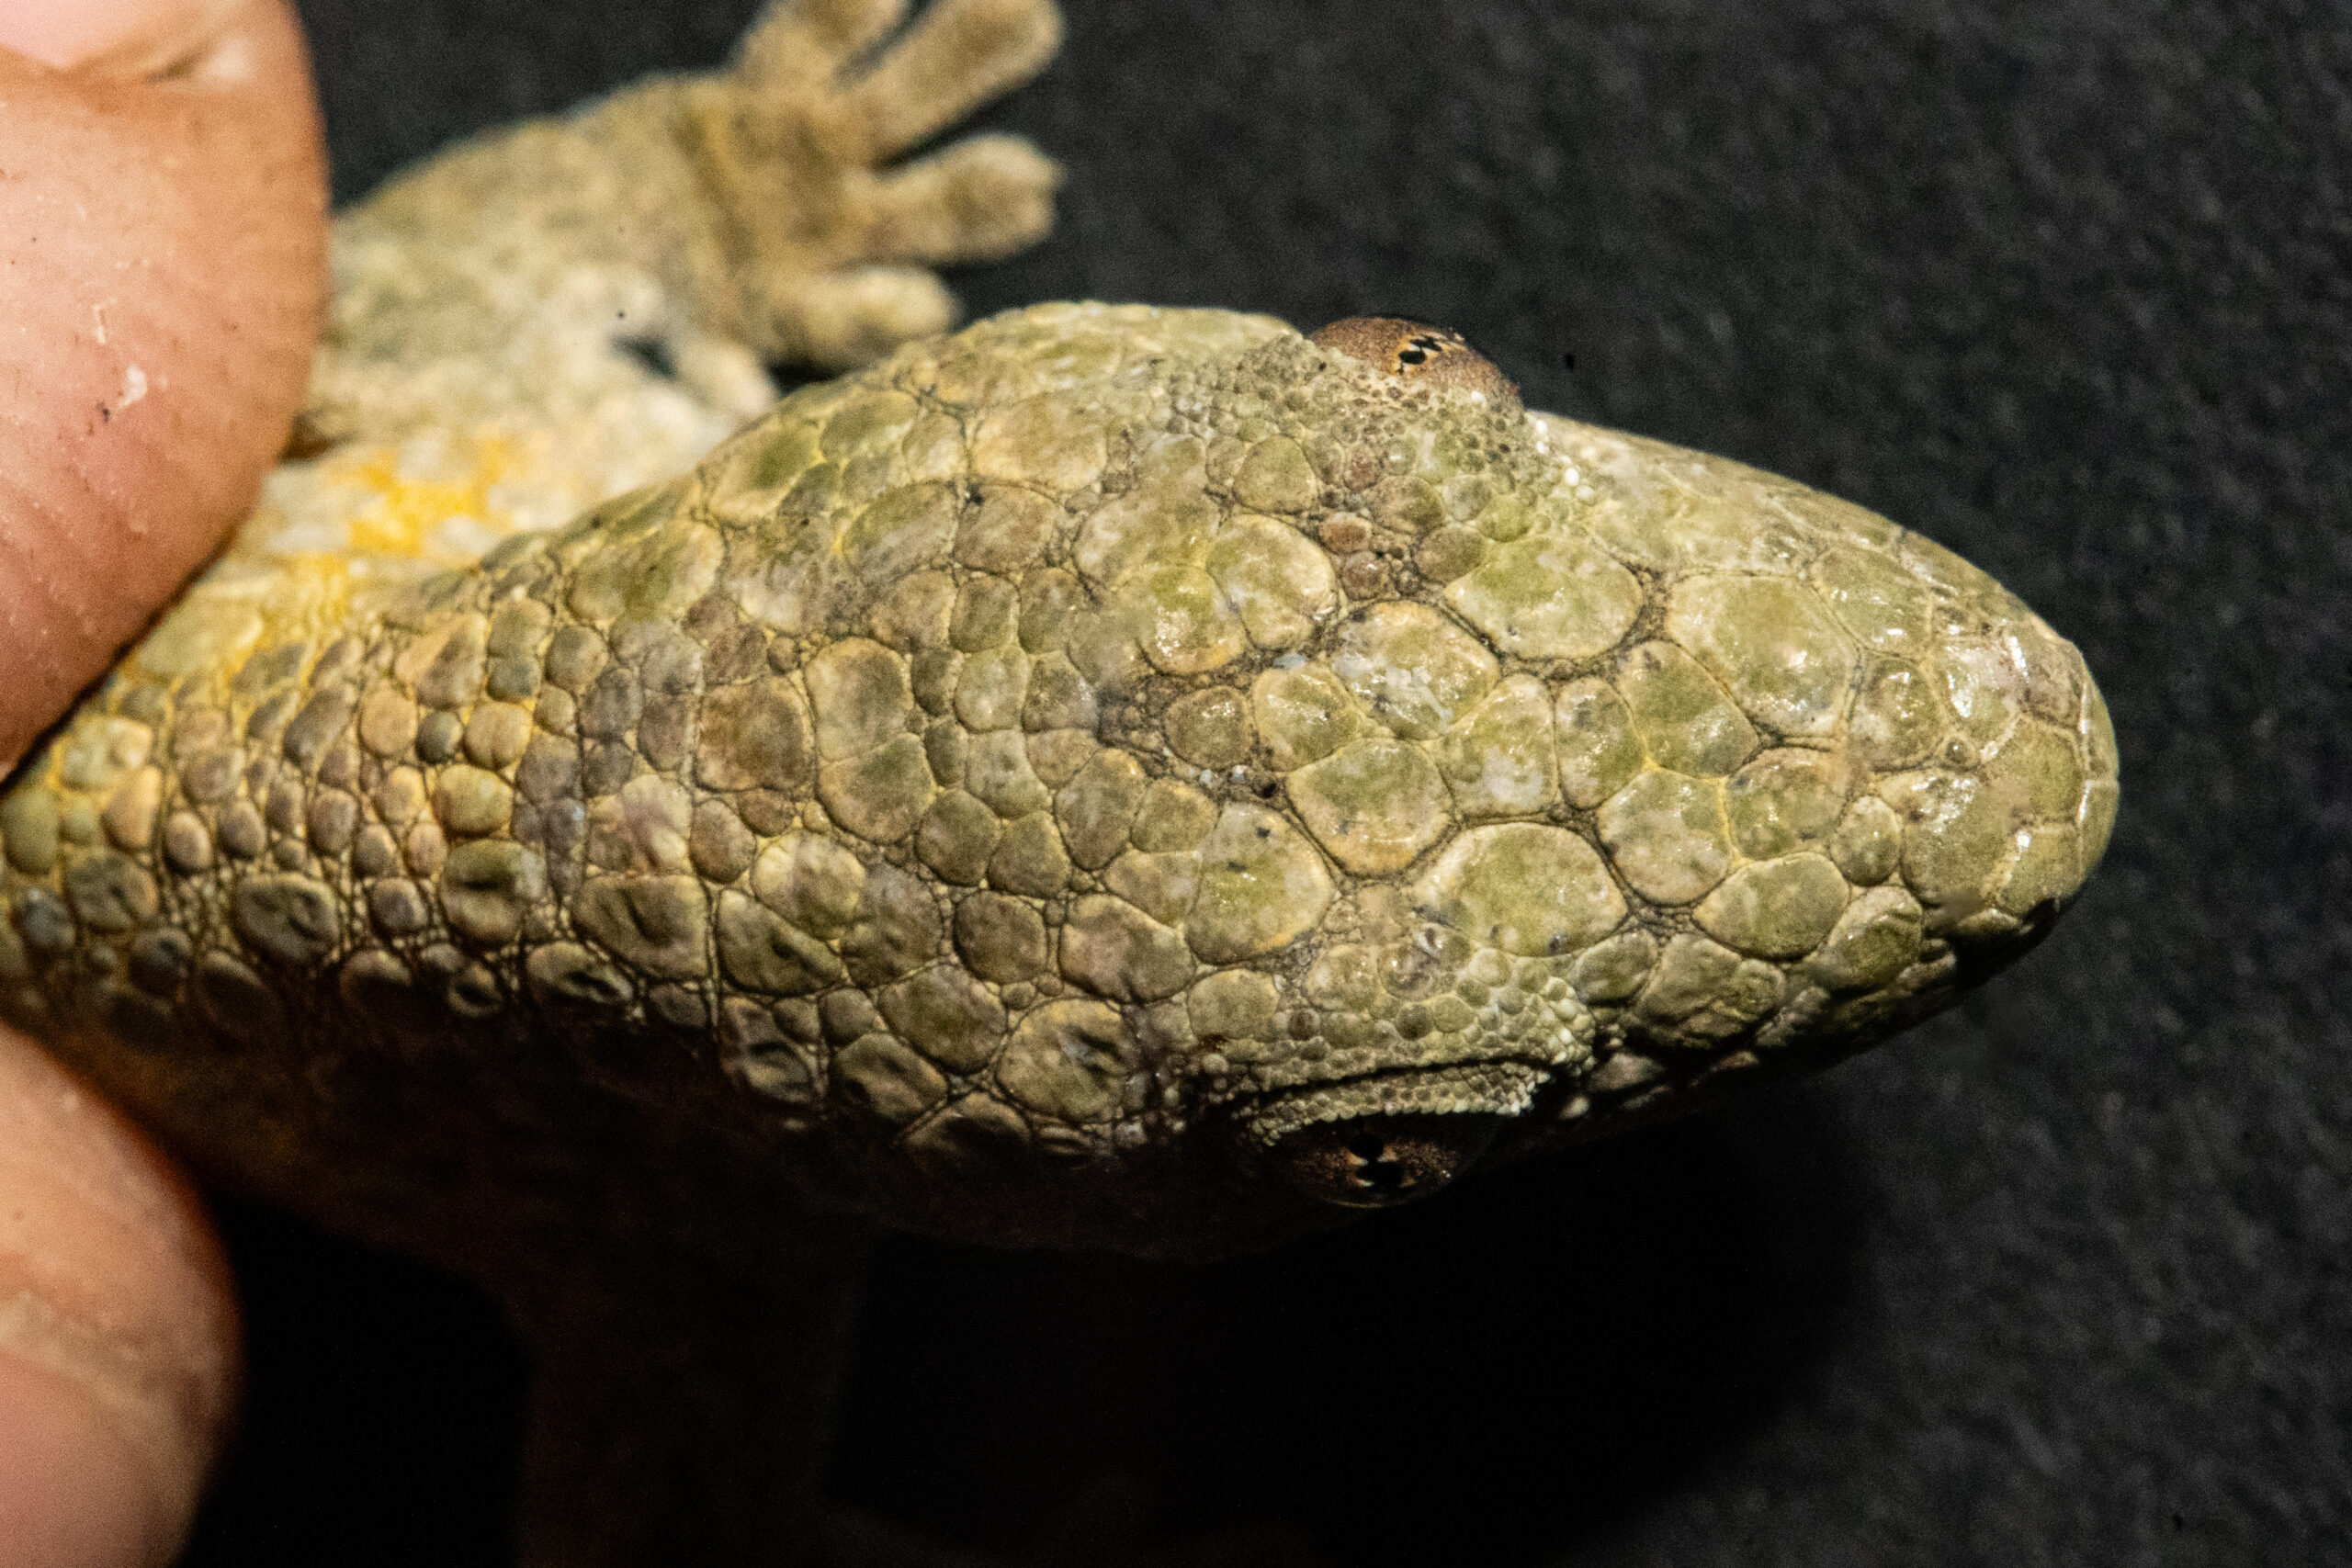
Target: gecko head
1283, 773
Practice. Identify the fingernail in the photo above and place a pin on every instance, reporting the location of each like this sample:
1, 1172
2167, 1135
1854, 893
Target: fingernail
124, 38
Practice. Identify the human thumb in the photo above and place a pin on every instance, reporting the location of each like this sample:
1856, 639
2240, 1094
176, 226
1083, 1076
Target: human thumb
162, 270
124, 40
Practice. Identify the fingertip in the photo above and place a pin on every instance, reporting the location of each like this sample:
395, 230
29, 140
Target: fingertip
161, 275
73, 1491
117, 1332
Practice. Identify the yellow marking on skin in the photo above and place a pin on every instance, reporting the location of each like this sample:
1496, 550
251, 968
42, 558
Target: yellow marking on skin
407, 511
318, 591
208, 634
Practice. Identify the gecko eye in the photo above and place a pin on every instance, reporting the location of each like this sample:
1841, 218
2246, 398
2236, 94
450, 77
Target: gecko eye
1416, 351
1371, 1162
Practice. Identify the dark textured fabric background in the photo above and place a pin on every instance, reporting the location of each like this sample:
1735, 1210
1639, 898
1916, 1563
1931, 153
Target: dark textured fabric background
2061, 1277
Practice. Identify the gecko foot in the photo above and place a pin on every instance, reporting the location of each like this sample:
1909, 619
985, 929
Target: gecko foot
826, 240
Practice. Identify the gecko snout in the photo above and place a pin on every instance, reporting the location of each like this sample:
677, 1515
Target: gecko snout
1371, 1162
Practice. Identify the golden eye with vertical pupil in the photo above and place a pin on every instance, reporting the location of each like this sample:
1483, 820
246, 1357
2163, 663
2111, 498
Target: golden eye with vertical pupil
1416, 351
1371, 1162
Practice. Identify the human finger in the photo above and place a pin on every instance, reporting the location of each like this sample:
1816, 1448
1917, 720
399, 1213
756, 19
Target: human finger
117, 1331
126, 40
162, 268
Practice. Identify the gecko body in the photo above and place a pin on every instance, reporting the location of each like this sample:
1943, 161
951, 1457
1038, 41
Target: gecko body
1112, 777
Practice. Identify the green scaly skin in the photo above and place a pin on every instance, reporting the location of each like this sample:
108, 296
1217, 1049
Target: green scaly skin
1109, 777
1105, 748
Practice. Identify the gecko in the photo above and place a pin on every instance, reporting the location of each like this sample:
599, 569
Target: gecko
1110, 777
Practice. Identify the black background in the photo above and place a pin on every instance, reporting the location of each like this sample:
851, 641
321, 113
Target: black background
2061, 1277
